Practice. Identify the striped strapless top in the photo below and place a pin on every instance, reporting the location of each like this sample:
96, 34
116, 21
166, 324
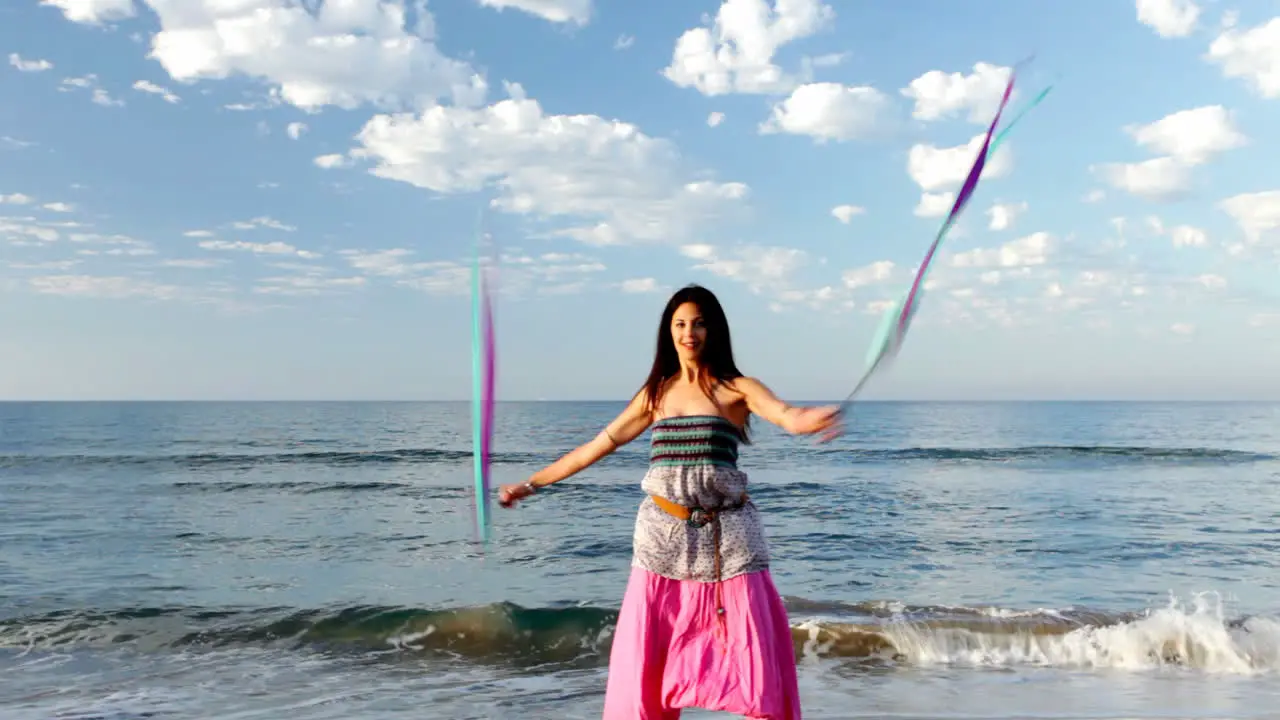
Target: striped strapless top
694, 440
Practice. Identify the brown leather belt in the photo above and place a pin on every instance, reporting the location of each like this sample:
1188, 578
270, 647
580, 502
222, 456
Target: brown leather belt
697, 517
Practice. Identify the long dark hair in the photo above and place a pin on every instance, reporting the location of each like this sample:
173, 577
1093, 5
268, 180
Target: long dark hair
717, 351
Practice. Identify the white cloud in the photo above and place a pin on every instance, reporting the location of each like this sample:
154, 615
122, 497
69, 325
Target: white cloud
1188, 236
627, 186
1182, 328
271, 248
934, 204
940, 95
873, 274
93, 12
846, 213
639, 285
332, 161
698, 251
16, 199
198, 234
1003, 215
62, 265
343, 54
736, 53
295, 130
817, 299
549, 273
18, 230
623, 42
262, 222
761, 269
29, 65
1257, 214
1211, 281
306, 284
385, 263
59, 207
829, 111
1094, 196
715, 119
1033, 249
191, 263
1253, 55
1264, 319
937, 169
1160, 179
1191, 137
1169, 18
147, 86
557, 11
118, 244
94, 286
1185, 139
90, 82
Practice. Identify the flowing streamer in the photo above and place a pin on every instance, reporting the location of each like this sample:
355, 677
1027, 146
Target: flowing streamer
484, 366
897, 318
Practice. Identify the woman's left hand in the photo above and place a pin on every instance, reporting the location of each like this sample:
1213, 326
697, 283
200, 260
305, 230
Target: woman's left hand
814, 420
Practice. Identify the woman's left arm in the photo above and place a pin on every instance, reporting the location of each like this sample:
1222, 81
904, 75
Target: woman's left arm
796, 420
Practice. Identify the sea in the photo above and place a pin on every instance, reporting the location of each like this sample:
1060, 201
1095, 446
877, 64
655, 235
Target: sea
317, 561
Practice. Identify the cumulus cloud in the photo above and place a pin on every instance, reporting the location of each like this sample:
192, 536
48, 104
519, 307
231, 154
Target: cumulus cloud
1192, 137
1184, 140
830, 111
1257, 214
93, 12
1251, 55
1033, 249
941, 171
1003, 215
341, 54
736, 53
611, 181
1169, 18
938, 95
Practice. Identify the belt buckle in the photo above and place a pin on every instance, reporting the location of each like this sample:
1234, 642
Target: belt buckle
698, 517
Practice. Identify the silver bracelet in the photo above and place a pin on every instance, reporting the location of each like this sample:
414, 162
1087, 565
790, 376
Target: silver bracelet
532, 488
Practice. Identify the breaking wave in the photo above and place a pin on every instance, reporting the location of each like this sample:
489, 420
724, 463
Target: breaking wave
1197, 636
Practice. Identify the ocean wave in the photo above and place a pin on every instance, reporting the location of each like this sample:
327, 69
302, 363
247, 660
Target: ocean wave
1196, 636
636, 456
1137, 453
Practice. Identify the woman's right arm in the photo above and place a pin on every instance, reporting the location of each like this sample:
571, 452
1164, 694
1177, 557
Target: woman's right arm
627, 426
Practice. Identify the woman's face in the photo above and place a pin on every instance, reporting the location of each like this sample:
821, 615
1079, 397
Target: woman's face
688, 331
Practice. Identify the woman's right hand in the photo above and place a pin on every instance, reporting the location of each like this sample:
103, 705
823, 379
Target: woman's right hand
509, 494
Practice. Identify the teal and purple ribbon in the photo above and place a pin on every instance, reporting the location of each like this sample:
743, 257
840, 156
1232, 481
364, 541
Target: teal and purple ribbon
892, 330
483, 366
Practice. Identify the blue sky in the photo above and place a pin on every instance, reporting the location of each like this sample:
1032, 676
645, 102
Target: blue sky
278, 199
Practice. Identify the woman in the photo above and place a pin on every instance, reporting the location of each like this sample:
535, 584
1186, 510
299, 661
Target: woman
701, 623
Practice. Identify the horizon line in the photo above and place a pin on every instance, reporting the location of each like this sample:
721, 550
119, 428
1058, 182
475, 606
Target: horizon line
457, 401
